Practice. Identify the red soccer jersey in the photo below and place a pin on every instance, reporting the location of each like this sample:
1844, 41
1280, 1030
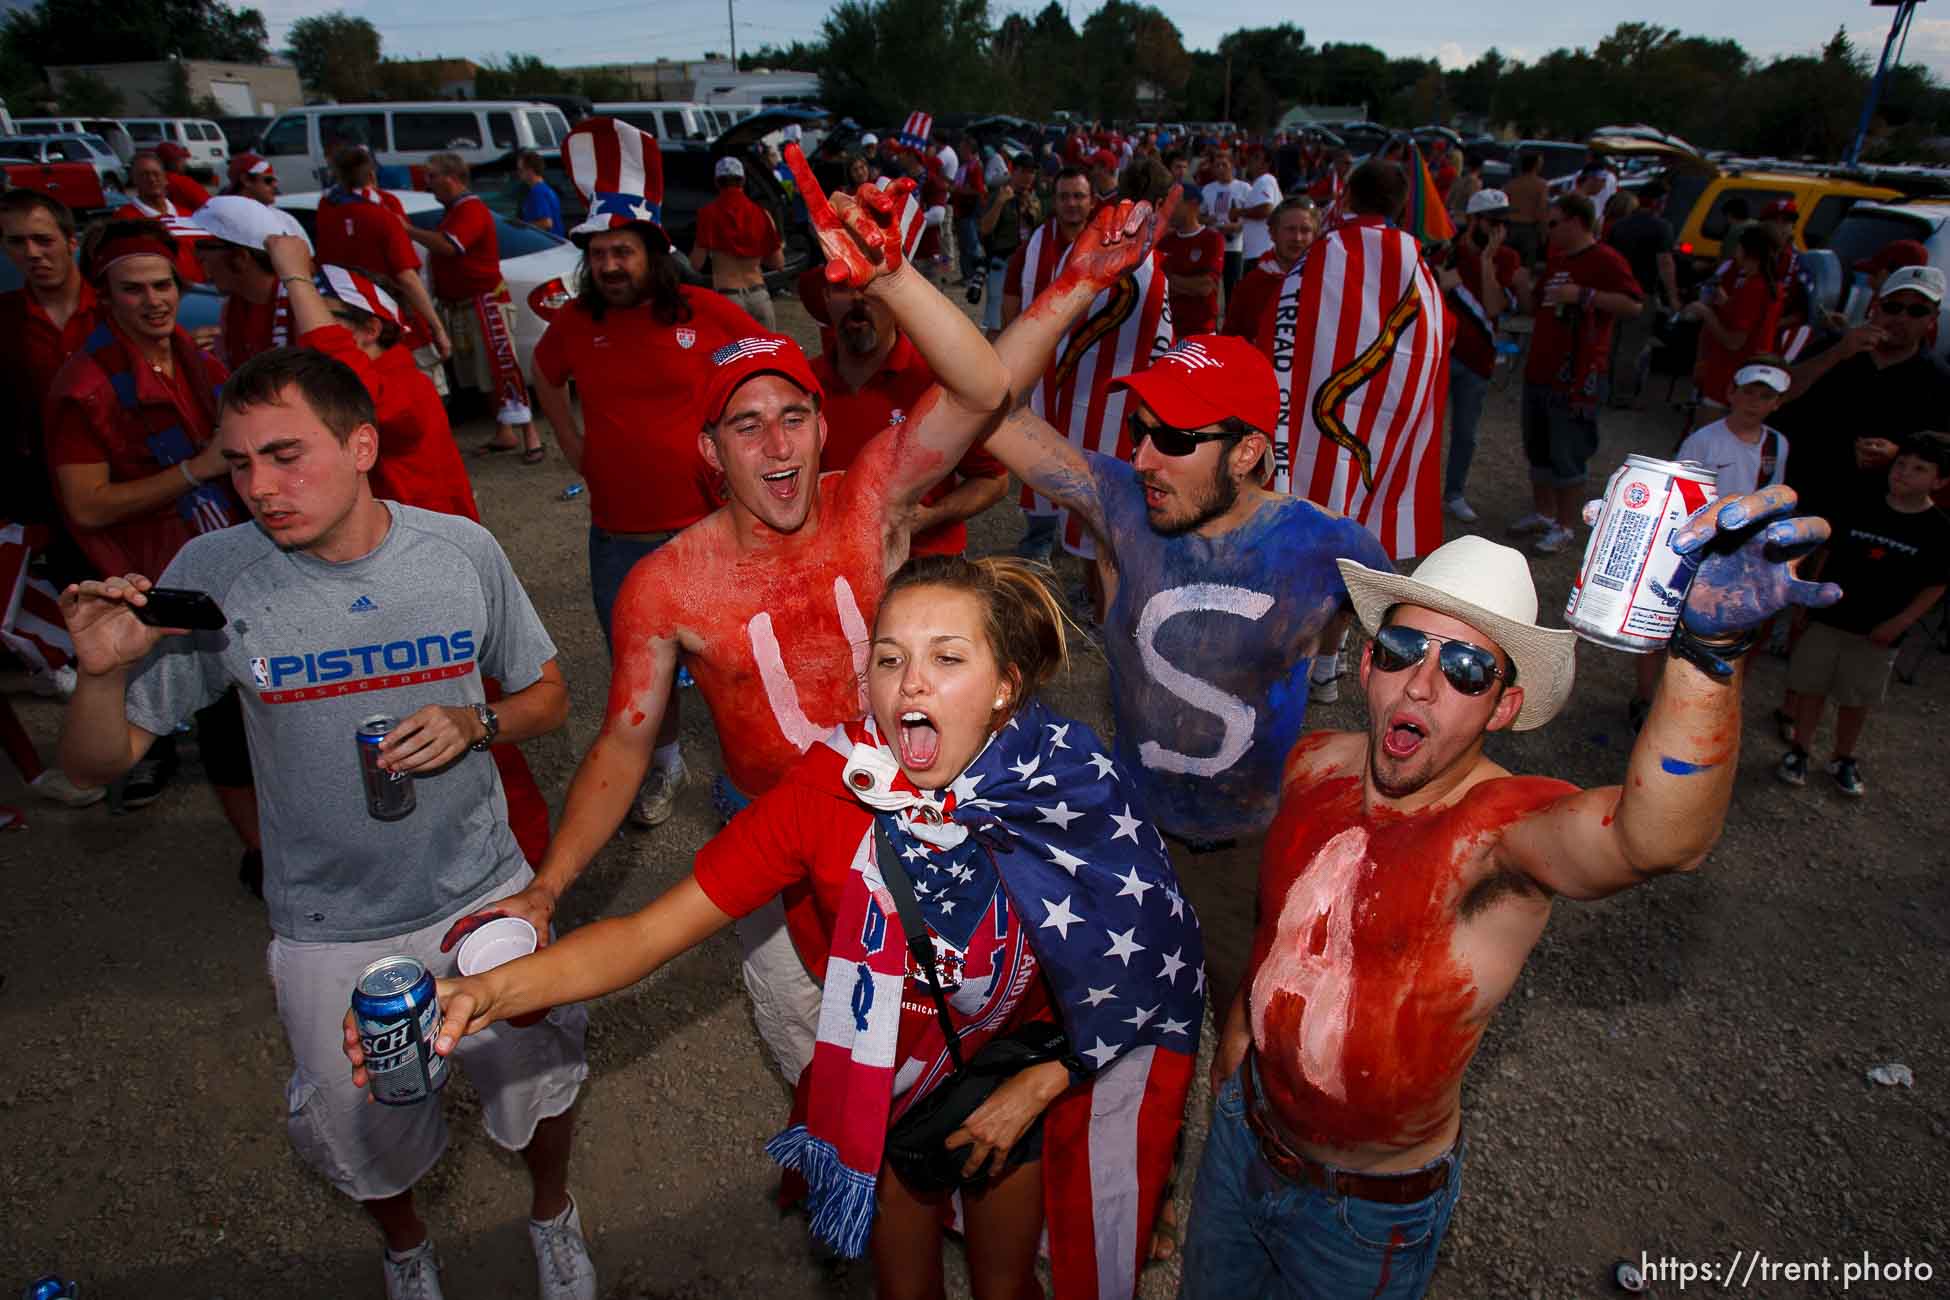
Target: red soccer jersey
1253, 298
1203, 252
1598, 267
642, 386
1475, 344
1752, 308
890, 397
474, 266
733, 224
419, 464
32, 352
366, 237
250, 327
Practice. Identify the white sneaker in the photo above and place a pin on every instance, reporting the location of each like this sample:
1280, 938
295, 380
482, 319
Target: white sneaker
1324, 679
1554, 540
1533, 522
414, 1275
659, 793
1461, 509
54, 785
562, 1264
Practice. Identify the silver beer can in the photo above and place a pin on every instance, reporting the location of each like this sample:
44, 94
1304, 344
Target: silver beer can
1629, 589
389, 795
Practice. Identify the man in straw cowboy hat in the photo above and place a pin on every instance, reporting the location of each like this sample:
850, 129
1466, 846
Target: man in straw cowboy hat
1407, 877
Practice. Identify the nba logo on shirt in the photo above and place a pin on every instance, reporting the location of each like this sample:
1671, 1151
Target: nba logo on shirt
685, 337
261, 673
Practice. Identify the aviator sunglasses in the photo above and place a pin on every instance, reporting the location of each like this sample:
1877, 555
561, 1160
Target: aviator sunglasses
1468, 668
1176, 442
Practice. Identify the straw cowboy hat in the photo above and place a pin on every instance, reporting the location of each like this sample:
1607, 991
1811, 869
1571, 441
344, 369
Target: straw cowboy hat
1488, 587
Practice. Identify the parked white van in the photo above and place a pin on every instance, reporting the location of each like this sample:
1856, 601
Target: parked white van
112, 132
670, 119
199, 135
301, 143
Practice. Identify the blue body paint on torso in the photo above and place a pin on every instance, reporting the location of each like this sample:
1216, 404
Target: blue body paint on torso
1209, 642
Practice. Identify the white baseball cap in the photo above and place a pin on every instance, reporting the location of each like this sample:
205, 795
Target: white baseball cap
729, 167
1487, 201
242, 220
1926, 281
869, 138
1758, 373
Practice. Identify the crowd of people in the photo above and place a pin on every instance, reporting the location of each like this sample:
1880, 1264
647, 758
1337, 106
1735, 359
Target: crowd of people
979, 940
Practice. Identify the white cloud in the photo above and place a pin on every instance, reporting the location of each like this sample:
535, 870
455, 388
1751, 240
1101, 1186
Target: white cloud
1450, 55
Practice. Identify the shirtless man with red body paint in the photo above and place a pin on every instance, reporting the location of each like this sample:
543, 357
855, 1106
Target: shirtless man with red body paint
768, 600
1407, 877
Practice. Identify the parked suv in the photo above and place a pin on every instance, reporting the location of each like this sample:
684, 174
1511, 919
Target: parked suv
90, 149
199, 135
1863, 233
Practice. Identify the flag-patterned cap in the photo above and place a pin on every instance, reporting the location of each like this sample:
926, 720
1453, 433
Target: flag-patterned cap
620, 171
1206, 378
355, 290
915, 134
747, 358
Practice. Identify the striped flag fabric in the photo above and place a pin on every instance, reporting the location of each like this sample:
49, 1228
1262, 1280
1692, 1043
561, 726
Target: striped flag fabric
30, 622
1125, 329
915, 133
1360, 342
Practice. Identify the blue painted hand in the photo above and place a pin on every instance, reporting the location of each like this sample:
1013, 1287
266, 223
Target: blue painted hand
1746, 547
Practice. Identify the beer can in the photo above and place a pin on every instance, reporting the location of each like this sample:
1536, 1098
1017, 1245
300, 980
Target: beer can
399, 1016
1628, 590
389, 795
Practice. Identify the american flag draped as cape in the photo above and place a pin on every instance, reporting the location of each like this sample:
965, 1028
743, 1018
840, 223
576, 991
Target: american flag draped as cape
1122, 332
1091, 885
1360, 341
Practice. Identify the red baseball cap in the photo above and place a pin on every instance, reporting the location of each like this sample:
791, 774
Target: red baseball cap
1207, 378
1902, 252
247, 164
748, 358
170, 151
1780, 208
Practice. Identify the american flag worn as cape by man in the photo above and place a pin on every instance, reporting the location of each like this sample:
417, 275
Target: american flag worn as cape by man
1092, 892
1360, 340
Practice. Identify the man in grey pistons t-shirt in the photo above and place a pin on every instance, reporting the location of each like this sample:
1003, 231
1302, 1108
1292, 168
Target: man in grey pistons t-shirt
339, 608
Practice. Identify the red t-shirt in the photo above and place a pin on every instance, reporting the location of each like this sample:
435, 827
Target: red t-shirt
1253, 299
249, 327
1201, 253
88, 425
32, 352
1473, 347
1598, 267
184, 192
733, 224
419, 463
973, 180
642, 386
367, 237
474, 266
889, 397
1753, 307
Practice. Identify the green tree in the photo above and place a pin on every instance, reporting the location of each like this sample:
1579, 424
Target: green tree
58, 32
886, 58
798, 57
605, 85
407, 80
337, 55
521, 74
86, 95
1125, 44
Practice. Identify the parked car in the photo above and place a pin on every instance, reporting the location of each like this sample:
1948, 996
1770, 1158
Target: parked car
301, 143
1864, 232
241, 133
671, 121
540, 269
110, 130
199, 135
90, 149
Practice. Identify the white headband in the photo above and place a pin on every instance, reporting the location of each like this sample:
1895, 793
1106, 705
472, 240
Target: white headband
1773, 376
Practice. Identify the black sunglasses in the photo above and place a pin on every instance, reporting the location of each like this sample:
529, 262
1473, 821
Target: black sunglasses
1468, 668
1172, 441
1918, 310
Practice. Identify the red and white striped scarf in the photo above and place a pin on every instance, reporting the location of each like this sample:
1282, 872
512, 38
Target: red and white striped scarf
1125, 329
1360, 339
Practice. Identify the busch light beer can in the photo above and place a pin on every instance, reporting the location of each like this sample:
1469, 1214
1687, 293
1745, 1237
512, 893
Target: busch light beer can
50, 1287
389, 795
398, 1019
1628, 590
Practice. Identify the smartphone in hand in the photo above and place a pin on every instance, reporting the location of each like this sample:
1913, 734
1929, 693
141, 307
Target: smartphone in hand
180, 607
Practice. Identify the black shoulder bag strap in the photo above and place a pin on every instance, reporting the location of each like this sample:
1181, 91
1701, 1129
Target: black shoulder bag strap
918, 942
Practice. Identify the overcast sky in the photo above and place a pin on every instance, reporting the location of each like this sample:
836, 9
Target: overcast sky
590, 31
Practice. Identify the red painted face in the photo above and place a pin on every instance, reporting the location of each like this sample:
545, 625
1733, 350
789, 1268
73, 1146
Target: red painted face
767, 446
1363, 1012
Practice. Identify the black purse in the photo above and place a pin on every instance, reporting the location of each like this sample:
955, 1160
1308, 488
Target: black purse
915, 1144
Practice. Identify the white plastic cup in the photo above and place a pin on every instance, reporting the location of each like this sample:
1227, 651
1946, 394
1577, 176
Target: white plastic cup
497, 943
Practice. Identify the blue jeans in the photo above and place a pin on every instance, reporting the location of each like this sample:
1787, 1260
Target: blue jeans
610, 560
1038, 537
1558, 442
1253, 1233
1467, 389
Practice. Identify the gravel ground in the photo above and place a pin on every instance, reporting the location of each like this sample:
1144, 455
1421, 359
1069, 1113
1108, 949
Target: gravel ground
1680, 1071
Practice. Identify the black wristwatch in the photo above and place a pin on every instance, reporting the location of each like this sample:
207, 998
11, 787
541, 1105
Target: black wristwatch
490, 728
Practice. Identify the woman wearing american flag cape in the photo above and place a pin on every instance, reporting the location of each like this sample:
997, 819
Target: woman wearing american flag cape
1048, 899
